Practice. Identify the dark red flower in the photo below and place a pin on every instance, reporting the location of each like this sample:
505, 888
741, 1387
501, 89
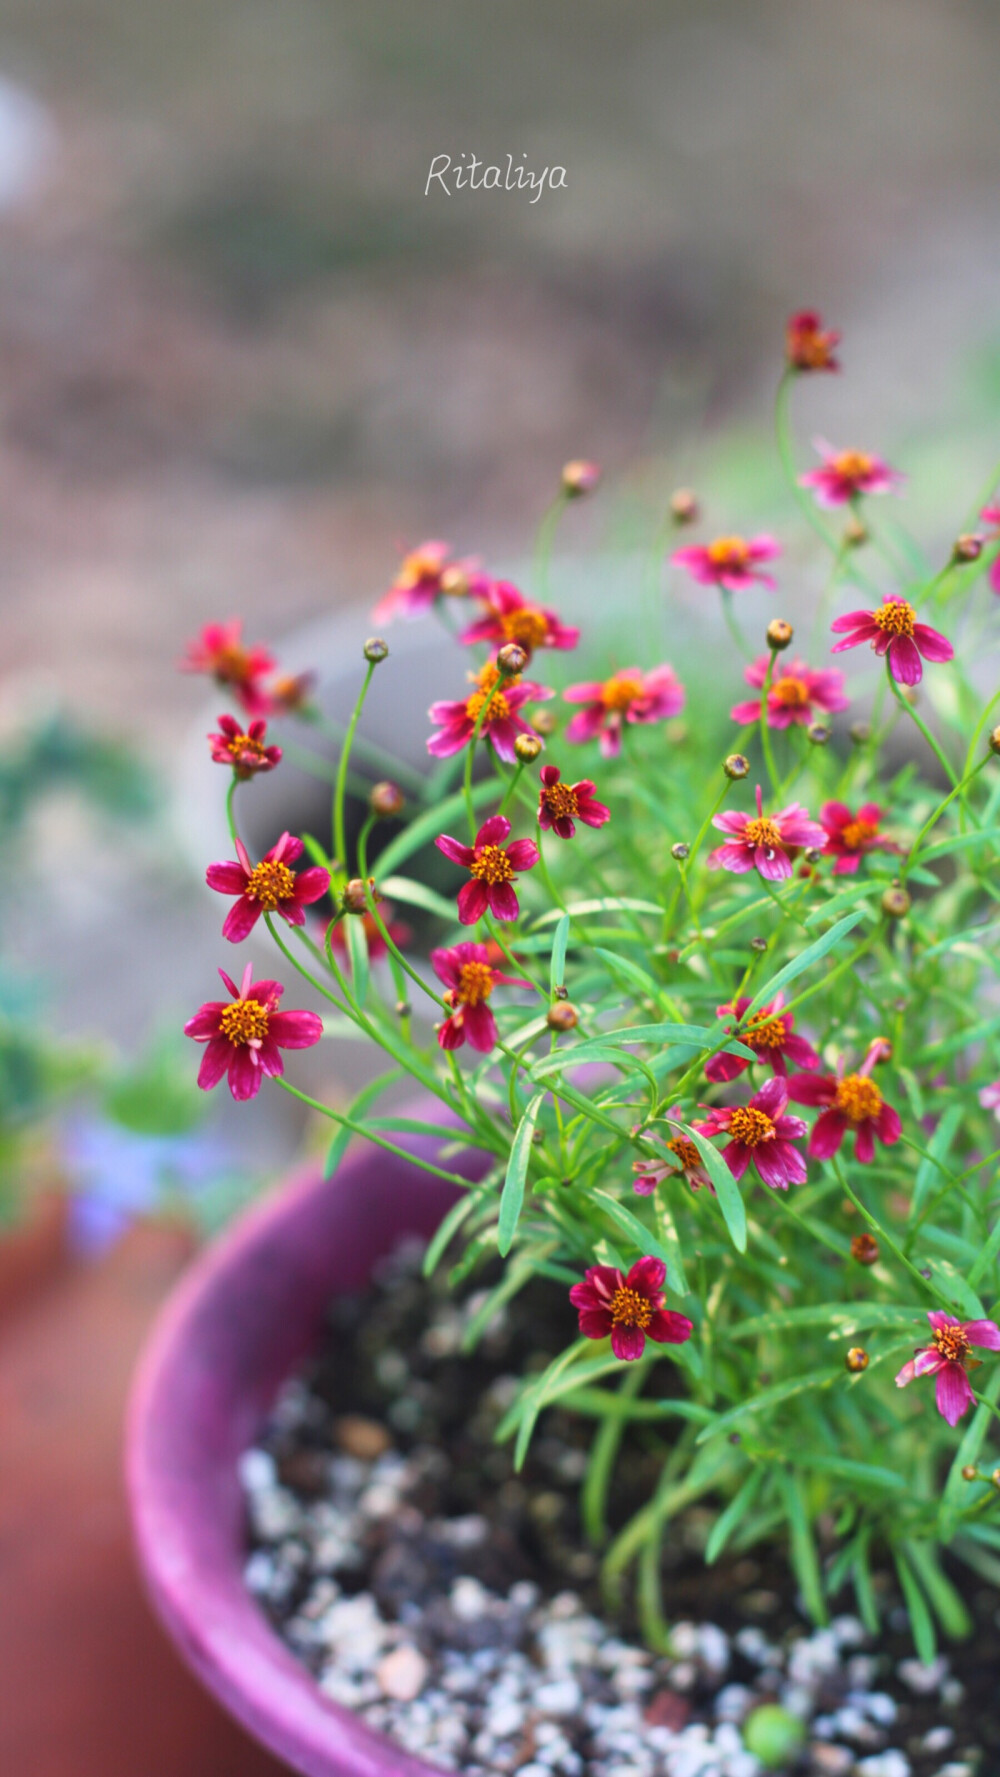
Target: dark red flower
510, 617
849, 837
219, 651
760, 1132
246, 1033
492, 867
629, 1308
849, 1101
561, 805
769, 1033
246, 751
685, 1162
469, 978
267, 887
892, 629
502, 723
808, 344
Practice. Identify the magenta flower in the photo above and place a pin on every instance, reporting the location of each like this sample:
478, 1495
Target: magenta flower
850, 1101
769, 1033
628, 696
989, 1098
247, 752
730, 562
892, 629
561, 805
685, 1162
948, 1358
796, 693
762, 842
469, 978
991, 515
849, 837
510, 617
290, 695
761, 1133
502, 723
843, 475
492, 867
219, 651
808, 345
630, 1308
246, 1033
267, 887
424, 576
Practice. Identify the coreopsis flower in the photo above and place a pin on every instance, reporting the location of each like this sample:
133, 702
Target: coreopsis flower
426, 574
510, 617
849, 837
761, 1134
502, 723
684, 1162
844, 475
267, 887
770, 1033
892, 629
290, 695
730, 562
991, 515
808, 344
469, 978
561, 805
246, 1033
631, 1309
492, 867
377, 948
246, 751
989, 1098
220, 652
949, 1358
795, 695
762, 842
849, 1102
628, 696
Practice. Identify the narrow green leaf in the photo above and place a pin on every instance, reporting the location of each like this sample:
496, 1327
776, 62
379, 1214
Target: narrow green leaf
951, 1612
512, 1195
805, 1559
416, 894
447, 1227
727, 1191
814, 953
429, 826
700, 1036
921, 1621
931, 1172
557, 965
357, 950
859, 891
768, 1398
842, 1318
735, 1512
315, 850
607, 904
367, 1096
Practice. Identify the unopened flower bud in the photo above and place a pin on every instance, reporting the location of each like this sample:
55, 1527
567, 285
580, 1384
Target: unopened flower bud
736, 766
896, 901
861, 733
995, 1477
967, 547
527, 747
544, 721
454, 582
402, 1008
995, 741
562, 1016
759, 945
879, 1050
865, 1249
970, 1472
856, 1359
855, 533
580, 477
779, 634
680, 851
386, 800
511, 660
813, 855
375, 649
684, 505
818, 733
355, 896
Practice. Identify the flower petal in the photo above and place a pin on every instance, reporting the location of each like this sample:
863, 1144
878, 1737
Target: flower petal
953, 1393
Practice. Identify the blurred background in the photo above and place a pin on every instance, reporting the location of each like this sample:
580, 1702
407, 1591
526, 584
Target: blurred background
244, 361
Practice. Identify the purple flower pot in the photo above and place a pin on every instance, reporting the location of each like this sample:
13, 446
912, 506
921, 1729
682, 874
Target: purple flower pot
242, 1319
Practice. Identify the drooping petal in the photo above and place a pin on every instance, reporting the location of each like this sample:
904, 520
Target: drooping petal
953, 1393
737, 1158
985, 1333
227, 878
241, 919
295, 1030
214, 1063
773, 864
827, 1135
456, 851
888, 1125
244, 1074
864, 1143
667, 1327
472, 902
523, 854
769, 1161
932, 644
904, 661
480, 1027
502, 900
628, 1343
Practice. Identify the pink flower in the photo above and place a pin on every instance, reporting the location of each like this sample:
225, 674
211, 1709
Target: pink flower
796, 693
492, 867
849, 837
245, 1034
991, 515
761, 842
561, 805
850, 1101
685, 1162
760, 1132
267, 887
425, 575
469, 978
769, 1033
375, 944
510, 617
630, 1308
628, 696
892, 629
290, 695
502, 723
948, 1359
245, 752
989, 1098
843, 475
219, 651
729, 562
808, 346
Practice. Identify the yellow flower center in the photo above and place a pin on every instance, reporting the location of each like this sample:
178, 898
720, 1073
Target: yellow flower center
856, 832
499, 707
751, 1126
416, 567
729, 552
686, 1152
245, 1021
895, 618
475, 983
454, 582
561, 800
858, 1098
270, 883
793, 693
852, 464
765, 1033
492, 865
619, 691
629, 1309
529, 626
952, 1343
762, 831
231, 665
241, 744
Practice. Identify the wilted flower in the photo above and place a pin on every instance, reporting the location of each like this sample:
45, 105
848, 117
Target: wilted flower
795, 693
492, 867
808, 345
561, 805
761, 1133
469, 978
510, 617
892, 629
762, 842
501, 725
630, 1308
729, 562
219, 651
427, 573
769, 1033
246, 1033
850, 836
948, 1358
246, 752
845, 474
850, 1102
628, 696
685, 1162
267, 887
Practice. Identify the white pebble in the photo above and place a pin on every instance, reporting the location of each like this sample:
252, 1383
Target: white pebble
469, 1599
257, 1470
938, 1739
559, 1697
403, 1673
885, 1764
733, 1702
923, 1679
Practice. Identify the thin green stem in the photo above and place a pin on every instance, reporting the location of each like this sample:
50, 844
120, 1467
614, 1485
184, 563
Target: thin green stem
936, 749
339, 831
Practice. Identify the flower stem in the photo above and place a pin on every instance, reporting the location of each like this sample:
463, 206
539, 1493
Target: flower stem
936, 749
339, 838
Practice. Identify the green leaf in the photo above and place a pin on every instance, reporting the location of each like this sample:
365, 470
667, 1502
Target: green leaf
557, 965
416, 894
430, 826
357, 950
931, 1171
842, 1318
865, 1474
805, 960
727, 1191
768, 1398
643, 1238
951, 1613
700, 1036
315, 850
607, 904
986, 1256
954, 1287
447, 1227
512, 1195
367, 1096
805, 1559
921, 1621
859, 891
735, 1512
631, 972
